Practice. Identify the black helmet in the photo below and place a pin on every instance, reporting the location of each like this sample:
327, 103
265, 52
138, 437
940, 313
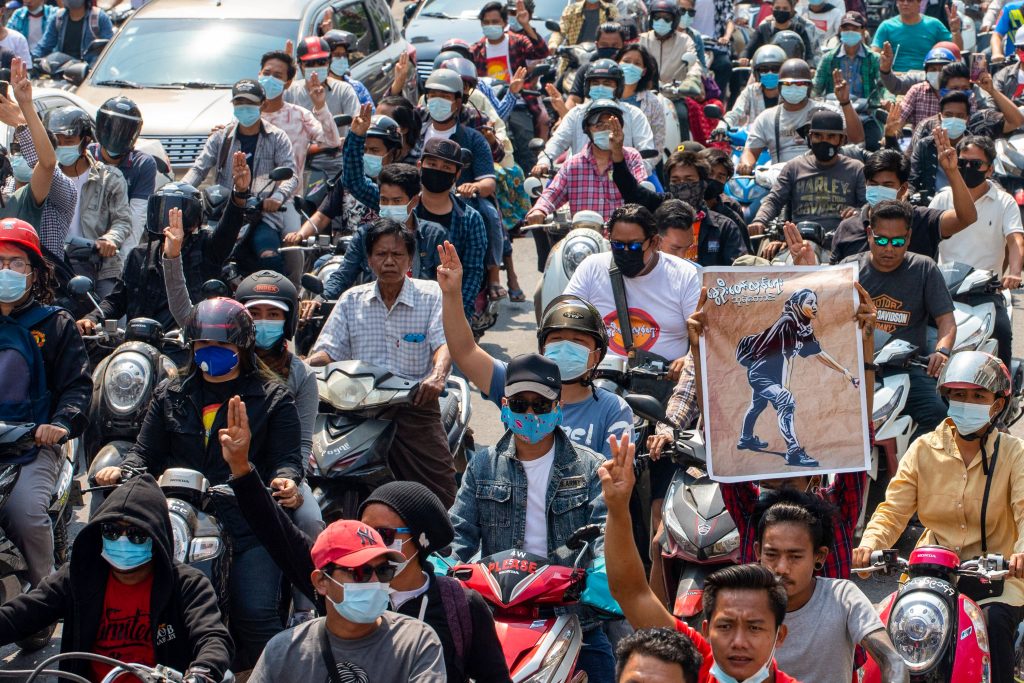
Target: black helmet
794, 70
272, 288
598, 107
606, 68
175, 195
118, 124
457, 45
385, 128
336, 38
570, 312
221, 320
70, 120
669, 7
791, 43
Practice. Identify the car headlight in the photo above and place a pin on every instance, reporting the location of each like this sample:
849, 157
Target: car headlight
180, 532
918, 627
126, 382
727, 544
555, 655
883, 411
577, 249
203, 548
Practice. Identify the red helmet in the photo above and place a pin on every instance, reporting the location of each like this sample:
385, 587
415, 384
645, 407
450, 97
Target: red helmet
21, 233
951, 46
313, 48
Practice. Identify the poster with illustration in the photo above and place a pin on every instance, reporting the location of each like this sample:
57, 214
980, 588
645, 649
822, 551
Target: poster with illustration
783, 373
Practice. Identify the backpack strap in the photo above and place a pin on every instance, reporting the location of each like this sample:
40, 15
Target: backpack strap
621, 308
456, 612
989, 467
225, 146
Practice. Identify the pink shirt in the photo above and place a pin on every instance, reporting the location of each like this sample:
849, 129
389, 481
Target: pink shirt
304, 128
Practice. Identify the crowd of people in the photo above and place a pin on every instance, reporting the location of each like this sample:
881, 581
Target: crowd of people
884, 136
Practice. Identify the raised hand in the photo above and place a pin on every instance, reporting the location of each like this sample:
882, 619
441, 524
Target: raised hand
240, 173
840, 86
20, 83
174, 234
449, 272
894, 118
361, 123
697, 322
617, 475
522, 15
234, 439
801, 250
887, 57
557, 101
955, 23
316, 90
946, 154
617, 138
867, 313
402, 68
518, 80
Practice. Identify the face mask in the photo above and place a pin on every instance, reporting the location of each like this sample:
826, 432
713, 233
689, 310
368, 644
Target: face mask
67, 154
22, 171
661, 26
247, 114
933, 79
850, 38
972, 177
692, 193
629, 262
955, 127
969, 417
759, 676
436, 181
397, 547
602, 139
273, 87
268, 333
398, 213
632, 73
439, 108
12, 285
372, 164
601, 92
686, 20
824, 151
493, 31
339, 65
770, 80
320, 71
124, 555
216, 361
606, 52
781, 16
531, 427
794, 94
572, 359
878, 193
713, 189
363, 602
514, 24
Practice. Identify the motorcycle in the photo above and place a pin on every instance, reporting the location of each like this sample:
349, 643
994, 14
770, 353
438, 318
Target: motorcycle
938, 631
572, 241
243, 261
522, 588
140, 672
811, 232
352, 436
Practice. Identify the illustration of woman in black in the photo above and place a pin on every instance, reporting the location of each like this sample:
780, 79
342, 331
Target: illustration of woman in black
768, 358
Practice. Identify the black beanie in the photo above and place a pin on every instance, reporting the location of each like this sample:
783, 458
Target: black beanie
421, 510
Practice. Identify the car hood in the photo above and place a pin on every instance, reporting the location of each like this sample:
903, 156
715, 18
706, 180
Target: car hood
170, 111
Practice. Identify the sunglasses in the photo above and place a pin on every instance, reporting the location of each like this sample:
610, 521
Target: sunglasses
770, 69
624, 246
316, 62
688, 12
365, 573
388, 533
973, 164
540, 406
896, 242
112, 532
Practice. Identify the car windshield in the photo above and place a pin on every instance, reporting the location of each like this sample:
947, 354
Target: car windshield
190, 53
467, 9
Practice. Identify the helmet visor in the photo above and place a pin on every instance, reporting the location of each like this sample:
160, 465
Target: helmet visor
117, 132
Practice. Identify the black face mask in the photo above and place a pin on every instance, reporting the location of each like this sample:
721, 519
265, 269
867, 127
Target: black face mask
972, 177
781, 16
606, 52
824, 151
629, 262
436, 181
714, 189
692, 193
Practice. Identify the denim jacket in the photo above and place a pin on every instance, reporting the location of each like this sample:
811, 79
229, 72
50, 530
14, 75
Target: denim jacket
97, 26
19, 20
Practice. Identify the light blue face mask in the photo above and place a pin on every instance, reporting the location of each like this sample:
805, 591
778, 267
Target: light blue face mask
124, 555
247, 114
339, 66
531, 427
879, 193
954, 126
632, 73
759, 676
320, 71
572, 359
439, 108
363, 603
661, 26
372, 165
601, 92
602, 139
20, 168
268, 333
398, 213
12, 285
67, 154
686, 20
851, 38
794, 94
770, 80
514, 24
272, 86
493, 31
969, 417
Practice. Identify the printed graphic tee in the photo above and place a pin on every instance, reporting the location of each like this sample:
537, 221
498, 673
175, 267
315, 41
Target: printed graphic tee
125, 632
498, 67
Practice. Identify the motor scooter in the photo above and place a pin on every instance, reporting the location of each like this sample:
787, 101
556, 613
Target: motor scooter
522, 588
571, 242
118, 672
243, 261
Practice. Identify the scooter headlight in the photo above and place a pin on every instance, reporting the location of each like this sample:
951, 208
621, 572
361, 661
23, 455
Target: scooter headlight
918, 627
126, 383
883, 411
350, 393
576, 249
729, 543
204, 548
554, 657
979, 335
180, 532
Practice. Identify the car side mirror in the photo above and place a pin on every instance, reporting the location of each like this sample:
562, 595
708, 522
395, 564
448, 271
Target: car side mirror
281, 173
161, 165
75, 73
311, 283
552, 25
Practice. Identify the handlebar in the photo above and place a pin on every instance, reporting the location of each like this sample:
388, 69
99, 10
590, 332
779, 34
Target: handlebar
992, 567
147, 674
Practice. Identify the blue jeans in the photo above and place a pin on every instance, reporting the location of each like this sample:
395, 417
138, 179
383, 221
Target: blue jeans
255, 594
596, 657
266, 239
923, 402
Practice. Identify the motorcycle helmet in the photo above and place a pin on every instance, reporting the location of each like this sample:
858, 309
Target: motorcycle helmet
457, 45
444, 80
465, 68
268, 287
337, 38
569, 312
971, 369
791, 43
70, 120
443, 57
313, 49
669, 7
386, 129
767, 55
598, 107
177, 195
951, 46
606, 68
939, 56
22, 235
118, 124
221, 320
795, 70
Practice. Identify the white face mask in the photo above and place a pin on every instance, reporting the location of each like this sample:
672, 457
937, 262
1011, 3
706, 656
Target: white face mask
759, 676
397, 547
970, 418
933, 79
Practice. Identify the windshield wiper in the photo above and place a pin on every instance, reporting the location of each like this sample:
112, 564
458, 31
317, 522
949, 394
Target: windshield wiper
437, 15
200, 85
117, 83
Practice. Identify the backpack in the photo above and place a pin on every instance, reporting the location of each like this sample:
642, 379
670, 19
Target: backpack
22, 359
456, 612
745, 349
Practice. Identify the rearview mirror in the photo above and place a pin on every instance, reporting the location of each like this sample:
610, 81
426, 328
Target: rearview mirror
712, 111
552, 25
281, 173
75, 73
80, 286
535, 145
342, 120
213, 289
407, 13
649, 154
97, 46
311, 283
467, 157
586, 534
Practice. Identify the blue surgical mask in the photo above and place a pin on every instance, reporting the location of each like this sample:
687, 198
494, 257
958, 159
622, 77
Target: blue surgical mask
794, 94
320, 71
124, 555
514, 24
12, 285
398, 213
879, 193
247, 114
602, 139
572, 359
268, 333
970, 417
531, 427
439, 108
493, 31
850, 38
372, 164
759, 676
22, 171
954, 126
216, 361
363, 603
339, 65
661, 26
601, 92
770, 80
67, 154
273, 87
686, 20
632, 73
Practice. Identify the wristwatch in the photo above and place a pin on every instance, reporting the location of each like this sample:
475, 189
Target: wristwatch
944, 351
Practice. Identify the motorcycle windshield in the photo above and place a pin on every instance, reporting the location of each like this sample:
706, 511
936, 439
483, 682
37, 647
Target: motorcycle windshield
512, 568
953, 274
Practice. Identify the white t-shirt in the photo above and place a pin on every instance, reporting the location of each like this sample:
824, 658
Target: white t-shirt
498, 66
35, 29
538, 476
17, 44
659, 302
762, 130
827, 22
432, 133
981, 244
76, 224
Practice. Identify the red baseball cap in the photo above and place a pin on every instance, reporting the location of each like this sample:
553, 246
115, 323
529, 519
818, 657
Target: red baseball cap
350, 543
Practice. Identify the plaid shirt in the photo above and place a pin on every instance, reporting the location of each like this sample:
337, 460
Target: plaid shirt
402, 339
520, 49
920, 102
580, 183
682, 407
572, 20
846, 493
59, 207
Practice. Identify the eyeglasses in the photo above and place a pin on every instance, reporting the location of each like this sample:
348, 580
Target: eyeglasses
316, 62
973, 164
804, 83
769, 69
17, 264
112, 532
388, 533
540, 406
385, 572
628, 246
896, 242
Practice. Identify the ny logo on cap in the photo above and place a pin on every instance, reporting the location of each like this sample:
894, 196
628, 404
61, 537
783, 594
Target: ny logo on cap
365, 537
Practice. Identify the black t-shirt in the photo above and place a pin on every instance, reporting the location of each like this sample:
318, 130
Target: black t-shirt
444, 220
770, 101
247, 143
925, 234
578, 84
591, 20
73, 38
215, 395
